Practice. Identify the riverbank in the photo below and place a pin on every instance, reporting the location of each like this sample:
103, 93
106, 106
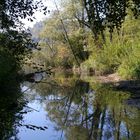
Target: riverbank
119, 83
114, 80
110, 78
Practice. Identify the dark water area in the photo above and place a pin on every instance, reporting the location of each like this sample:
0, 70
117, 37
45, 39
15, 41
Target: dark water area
67, 107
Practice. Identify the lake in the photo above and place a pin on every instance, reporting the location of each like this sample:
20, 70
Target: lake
68, 107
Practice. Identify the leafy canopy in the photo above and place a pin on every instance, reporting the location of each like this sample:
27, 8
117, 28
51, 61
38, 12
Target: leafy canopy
11, 11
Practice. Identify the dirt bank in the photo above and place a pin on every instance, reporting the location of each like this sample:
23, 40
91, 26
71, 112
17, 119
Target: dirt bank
119, 83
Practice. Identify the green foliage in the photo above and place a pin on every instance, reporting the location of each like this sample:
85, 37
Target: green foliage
76, 39
130, 66
15, 42
121, 54
13, 49
110, 57
55, 43
8, 67
101, 15
64, 37
52, 29
12, 11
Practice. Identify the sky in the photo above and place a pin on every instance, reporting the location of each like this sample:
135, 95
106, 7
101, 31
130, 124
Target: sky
38, 15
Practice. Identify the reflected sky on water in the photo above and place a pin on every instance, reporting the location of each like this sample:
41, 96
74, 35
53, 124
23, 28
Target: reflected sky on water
72, 108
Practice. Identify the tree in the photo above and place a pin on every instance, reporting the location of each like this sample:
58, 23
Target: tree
98, 15
14, 40
12, 35
14, 10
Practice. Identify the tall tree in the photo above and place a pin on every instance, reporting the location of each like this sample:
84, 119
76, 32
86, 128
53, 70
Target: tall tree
98, 15
15, 42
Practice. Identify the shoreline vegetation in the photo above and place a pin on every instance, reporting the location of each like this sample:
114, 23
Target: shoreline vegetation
73, 46
114, 79
96, 46
74, 41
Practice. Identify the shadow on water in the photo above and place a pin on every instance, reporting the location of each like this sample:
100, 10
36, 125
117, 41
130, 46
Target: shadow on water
10, 105
131, 86
13, 106
77, 109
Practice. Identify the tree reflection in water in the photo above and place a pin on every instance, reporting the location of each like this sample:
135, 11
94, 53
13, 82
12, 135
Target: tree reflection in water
12, 108
89, 111
11, 103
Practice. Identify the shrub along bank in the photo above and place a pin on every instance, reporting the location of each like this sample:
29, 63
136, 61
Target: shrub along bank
121, 55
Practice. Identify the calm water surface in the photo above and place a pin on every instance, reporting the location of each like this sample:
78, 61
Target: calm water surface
70, 108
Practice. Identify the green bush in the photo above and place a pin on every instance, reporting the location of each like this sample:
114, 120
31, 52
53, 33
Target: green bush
121, 55
108, 59
130, 66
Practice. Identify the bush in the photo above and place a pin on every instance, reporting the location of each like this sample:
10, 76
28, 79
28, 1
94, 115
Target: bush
122, 55
130, 67
108, 59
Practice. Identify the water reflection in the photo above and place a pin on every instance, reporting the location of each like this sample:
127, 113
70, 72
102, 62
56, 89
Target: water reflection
13, 107
11, 104
82, 110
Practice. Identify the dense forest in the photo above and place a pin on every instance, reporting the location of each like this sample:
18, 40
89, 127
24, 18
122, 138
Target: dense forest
102, 41
102, 37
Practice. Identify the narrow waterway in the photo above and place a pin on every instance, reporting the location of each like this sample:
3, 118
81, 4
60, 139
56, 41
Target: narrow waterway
65, 107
